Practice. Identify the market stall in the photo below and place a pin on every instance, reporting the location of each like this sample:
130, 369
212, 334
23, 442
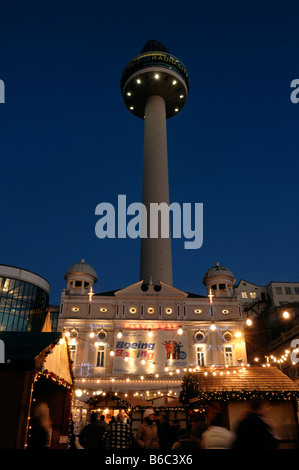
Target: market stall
36, 372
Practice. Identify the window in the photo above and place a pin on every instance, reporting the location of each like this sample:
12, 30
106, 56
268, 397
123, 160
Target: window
168, 310
244, 295
72, 349
225, 311
78, 284
296, 290
200, 336
253, 295
197, 310
200, 355
103, 309
278, 290
133, 310
228, 355
101, 356
288, 290
75, 308
150, 310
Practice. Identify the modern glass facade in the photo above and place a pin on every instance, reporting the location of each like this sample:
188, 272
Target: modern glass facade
23, 304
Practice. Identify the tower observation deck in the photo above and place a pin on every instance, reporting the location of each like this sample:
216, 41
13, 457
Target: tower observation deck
155, 86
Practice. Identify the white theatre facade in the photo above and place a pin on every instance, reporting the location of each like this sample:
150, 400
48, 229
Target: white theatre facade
144, 337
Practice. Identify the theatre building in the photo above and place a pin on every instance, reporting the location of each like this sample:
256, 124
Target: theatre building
144, 337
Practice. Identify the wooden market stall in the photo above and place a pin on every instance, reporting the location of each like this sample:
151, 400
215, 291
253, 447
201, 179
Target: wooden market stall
230, 390
110, 403
37, 369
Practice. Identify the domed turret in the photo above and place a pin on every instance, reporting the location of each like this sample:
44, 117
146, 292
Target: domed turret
80, 277
219, 279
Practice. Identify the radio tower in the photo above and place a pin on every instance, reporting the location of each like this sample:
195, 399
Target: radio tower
155, 86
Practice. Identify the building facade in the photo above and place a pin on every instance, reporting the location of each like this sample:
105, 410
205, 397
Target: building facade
24, 299
145, 336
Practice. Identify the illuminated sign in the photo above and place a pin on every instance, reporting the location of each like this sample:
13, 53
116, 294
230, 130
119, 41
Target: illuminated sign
136, 353
152, 326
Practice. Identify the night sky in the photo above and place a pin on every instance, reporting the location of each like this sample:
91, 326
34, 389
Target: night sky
68, 142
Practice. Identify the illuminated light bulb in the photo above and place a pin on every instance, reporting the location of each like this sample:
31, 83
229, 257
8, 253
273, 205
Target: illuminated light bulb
157, 76
174, 82
129, 93
138, 81
238, 334
126, 358
181, 96
119, 334
248, 322
286, 315
67, 334
180, 330
178, 371
92, 334
112, 353
205, 373
142, 377
79, 393
213, 326
150, 333
132, 107
142, 361
166, 369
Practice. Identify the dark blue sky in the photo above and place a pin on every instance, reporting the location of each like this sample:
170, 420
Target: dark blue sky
68, 143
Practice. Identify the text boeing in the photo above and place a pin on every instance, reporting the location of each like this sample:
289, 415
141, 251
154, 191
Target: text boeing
159, 216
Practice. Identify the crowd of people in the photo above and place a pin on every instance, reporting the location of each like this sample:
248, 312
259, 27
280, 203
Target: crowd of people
254, 431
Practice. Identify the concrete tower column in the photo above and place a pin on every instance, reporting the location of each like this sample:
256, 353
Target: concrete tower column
155, 86
155, 260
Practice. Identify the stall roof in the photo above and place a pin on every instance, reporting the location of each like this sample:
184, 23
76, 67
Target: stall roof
36, 352
118, 401
268, 382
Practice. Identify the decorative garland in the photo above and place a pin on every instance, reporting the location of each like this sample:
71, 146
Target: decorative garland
50, 375
192, 395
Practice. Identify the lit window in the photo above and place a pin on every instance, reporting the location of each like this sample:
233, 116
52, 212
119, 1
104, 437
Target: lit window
101, 356
75, 308
150, 310
133, 310
72, 350
103, 309
197, 310
253, 295
168, 310
228, 355
200, 355
225, 311
244, 295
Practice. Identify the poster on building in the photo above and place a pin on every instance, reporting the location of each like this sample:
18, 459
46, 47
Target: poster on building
137, 353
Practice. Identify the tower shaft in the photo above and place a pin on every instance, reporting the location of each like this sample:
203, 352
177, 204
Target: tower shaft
155, 259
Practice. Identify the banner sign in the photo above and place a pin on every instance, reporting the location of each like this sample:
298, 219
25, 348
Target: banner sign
149, 355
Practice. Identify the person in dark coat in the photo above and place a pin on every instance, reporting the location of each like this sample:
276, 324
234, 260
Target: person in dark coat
91, 436
255, 431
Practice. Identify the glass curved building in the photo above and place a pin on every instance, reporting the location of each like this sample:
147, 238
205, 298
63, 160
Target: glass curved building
24, 299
